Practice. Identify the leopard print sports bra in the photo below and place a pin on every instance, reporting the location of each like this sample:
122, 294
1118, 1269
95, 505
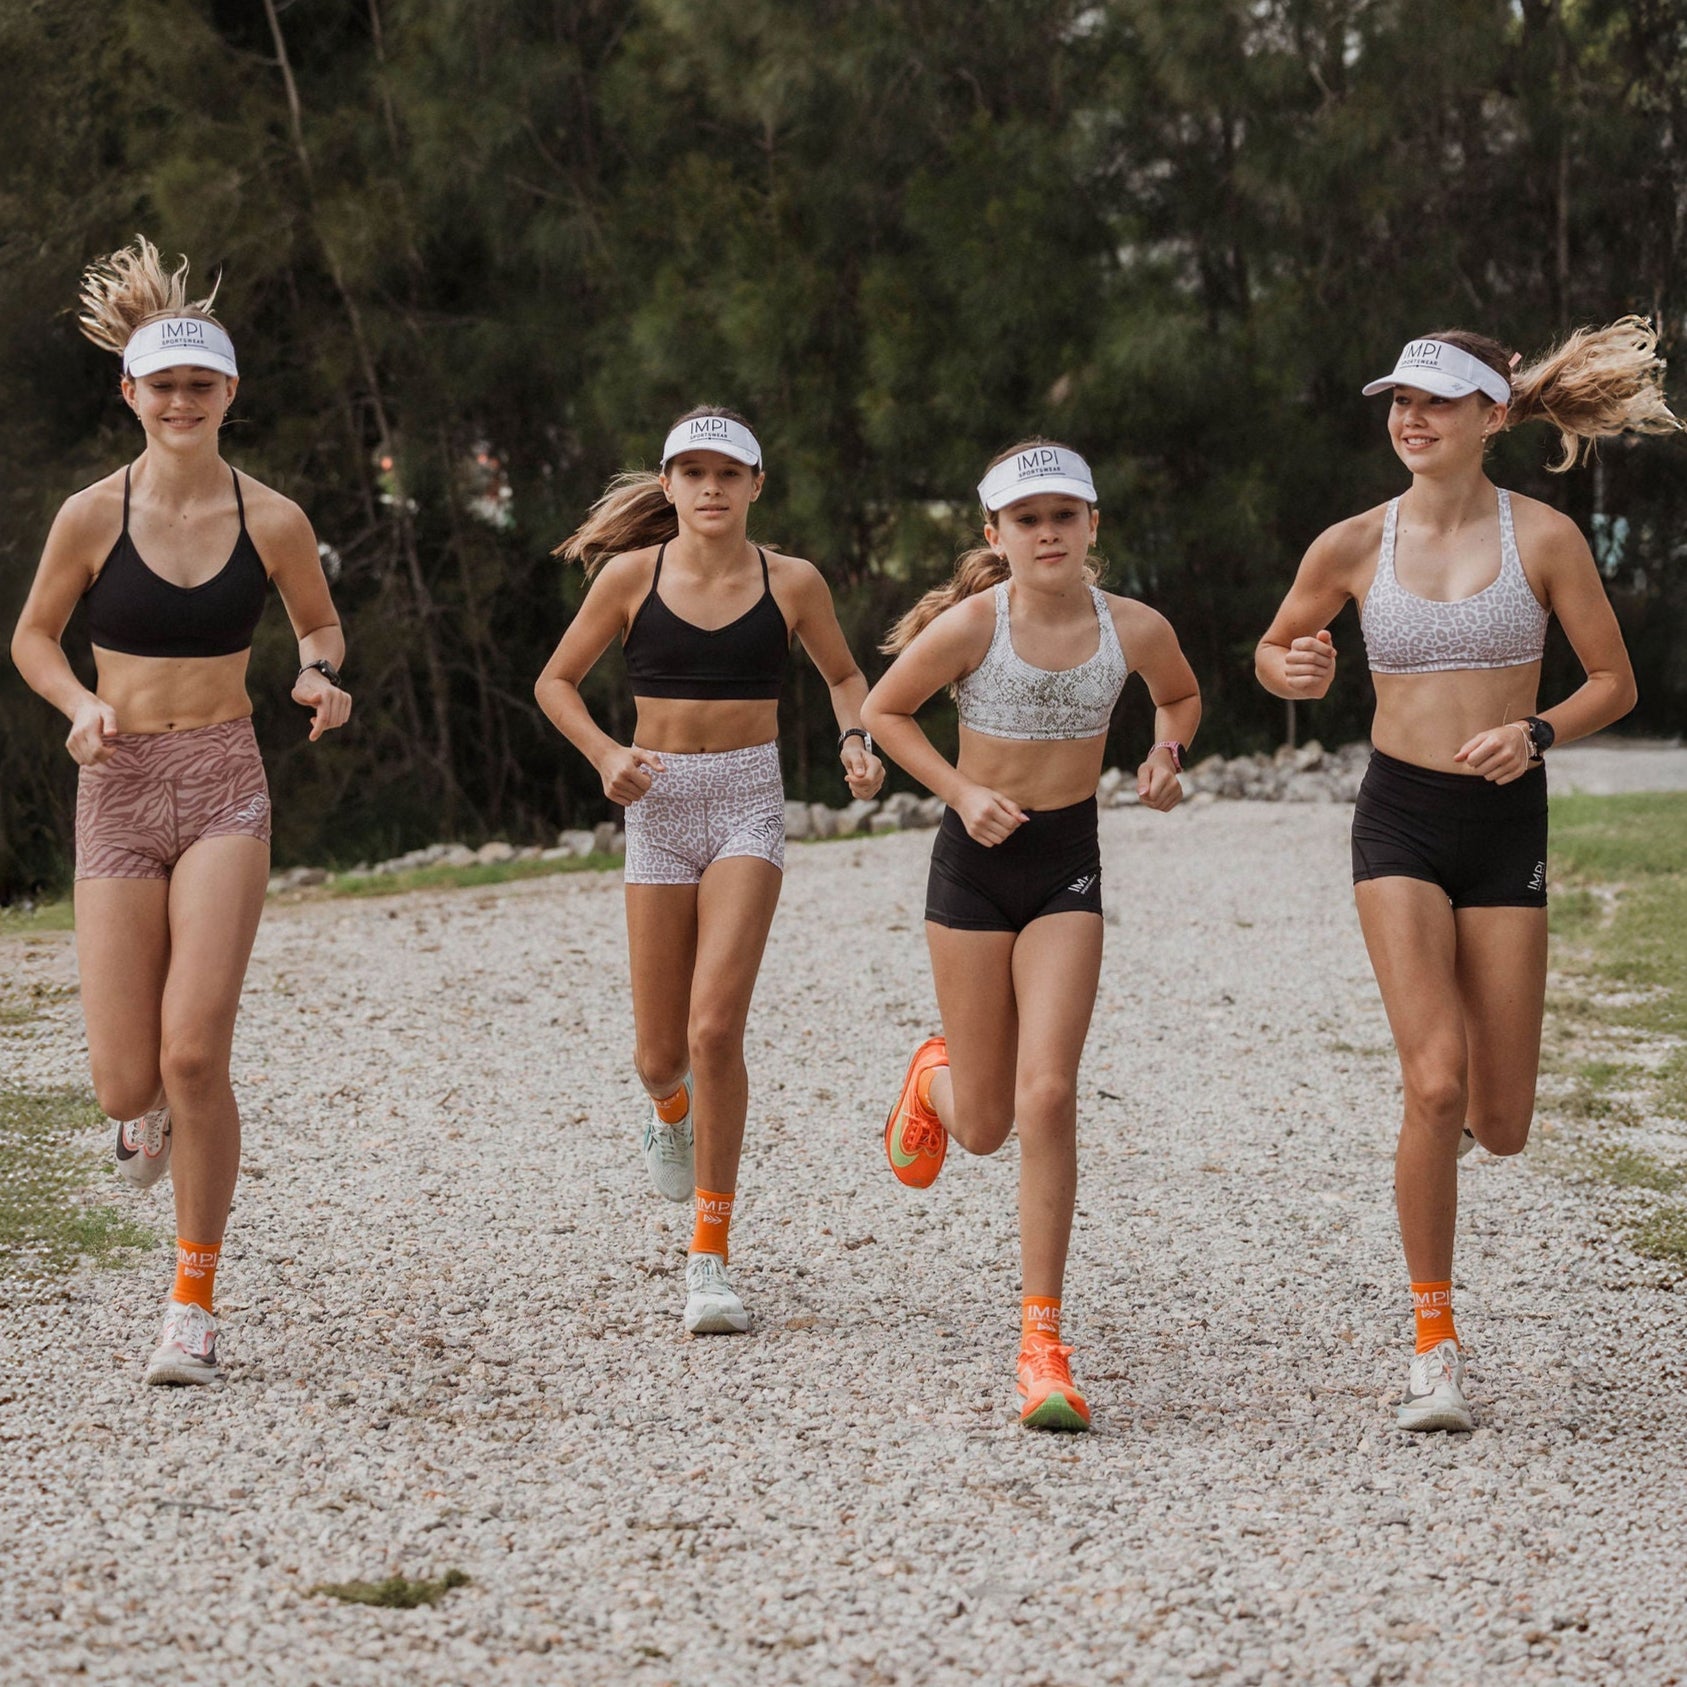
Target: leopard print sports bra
1501, 626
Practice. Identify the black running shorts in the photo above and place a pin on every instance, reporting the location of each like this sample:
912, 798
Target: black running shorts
1483, 844
1050, 865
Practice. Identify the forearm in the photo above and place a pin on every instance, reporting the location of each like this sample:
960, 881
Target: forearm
1270, 670
1601, 699
566, 710
46, 670
904, 741
323, 644
1178, 721
848, 694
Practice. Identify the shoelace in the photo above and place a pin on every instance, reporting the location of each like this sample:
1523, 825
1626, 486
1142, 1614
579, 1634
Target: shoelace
1046, 1361
147, 1132
191, 1328
1436, 1369
922, 1135
706, 1274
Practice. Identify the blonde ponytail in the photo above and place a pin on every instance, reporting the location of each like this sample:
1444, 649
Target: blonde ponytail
977, 570
1597, 383
633, 513
127, 288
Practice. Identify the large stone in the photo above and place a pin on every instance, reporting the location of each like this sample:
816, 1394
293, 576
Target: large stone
1109, 786
885, 821
576, 841
1309, 756
854, 818
823, 821
799, 823
902, 804
457, 855
617, 842
603, 835
494, 853
931, 811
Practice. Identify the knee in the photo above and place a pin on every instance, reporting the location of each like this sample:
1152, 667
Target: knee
1502, 1131
1437, 1097
715, 1040
1046, 1102
983, 1121
660, 1062
190, 1064
126, 1095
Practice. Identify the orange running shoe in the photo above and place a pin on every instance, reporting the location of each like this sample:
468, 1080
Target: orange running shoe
1050, 1398
915, 1140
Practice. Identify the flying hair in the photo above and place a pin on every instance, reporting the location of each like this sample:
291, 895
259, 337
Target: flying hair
976, 570
633, 512
1594, 384
127, 288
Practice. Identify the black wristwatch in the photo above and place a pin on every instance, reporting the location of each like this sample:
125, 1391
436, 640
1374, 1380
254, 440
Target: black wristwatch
324, 667
860, 732
1541, 736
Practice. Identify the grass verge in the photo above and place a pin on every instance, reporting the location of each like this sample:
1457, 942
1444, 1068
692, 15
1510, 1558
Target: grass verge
45, 1225
398, 1593
1620, 925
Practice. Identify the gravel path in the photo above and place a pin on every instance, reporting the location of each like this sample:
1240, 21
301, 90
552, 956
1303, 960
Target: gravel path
452, 1335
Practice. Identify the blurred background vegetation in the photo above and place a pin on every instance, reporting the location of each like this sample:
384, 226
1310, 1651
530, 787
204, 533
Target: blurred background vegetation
477, 253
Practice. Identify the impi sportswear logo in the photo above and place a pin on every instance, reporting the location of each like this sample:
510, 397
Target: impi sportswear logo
1538, 882
710, 427
182, 333
1421, 354
1043, 460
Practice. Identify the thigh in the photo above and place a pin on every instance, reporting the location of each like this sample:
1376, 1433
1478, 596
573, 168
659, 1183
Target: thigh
1502, 988
216, 898
973, 975
1413, 943
1056, 968
122, 957
735, 904
661, 953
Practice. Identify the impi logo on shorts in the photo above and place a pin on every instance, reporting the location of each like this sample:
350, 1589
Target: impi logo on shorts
1538, 882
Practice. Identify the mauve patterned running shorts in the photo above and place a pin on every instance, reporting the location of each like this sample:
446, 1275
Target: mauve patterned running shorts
701, 808
162, 791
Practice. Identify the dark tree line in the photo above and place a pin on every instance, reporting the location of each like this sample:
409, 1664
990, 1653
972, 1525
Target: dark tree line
478, 252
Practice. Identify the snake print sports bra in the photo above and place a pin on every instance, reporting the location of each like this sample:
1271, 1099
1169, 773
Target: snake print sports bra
1501, 626
1004, 697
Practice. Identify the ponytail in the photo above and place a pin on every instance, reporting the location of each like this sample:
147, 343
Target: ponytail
977, 570
127, 288
1597, 383
633, 513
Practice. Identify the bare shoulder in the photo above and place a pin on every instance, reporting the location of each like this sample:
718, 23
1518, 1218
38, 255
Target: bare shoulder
627, 573
1132, 615
92, 518
276, 523
966, 627
793, 574
1542, 529
1347, 545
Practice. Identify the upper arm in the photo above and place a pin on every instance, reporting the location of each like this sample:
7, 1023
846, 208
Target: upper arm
286, 542
816, 620
945, 650
82, 532
1575, 592
1323, 583
601, 618
1151, 649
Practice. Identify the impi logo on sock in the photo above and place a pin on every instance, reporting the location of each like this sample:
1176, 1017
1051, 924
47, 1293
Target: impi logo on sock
714, 1209
195, 1262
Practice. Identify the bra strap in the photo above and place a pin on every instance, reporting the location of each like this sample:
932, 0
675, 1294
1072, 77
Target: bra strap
661, 551
1390, 525
239, 502
128, 469
766, 584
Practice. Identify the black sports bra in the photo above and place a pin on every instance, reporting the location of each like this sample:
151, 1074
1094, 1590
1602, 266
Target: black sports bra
138, 613
668, 657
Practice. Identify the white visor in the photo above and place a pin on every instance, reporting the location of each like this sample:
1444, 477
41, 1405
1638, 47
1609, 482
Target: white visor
1038, 468
173, 341
712, 433
1434, 366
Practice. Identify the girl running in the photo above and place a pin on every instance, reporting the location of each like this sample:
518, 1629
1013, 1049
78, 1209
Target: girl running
174, 557
1037, 656
1455, 580
705, 619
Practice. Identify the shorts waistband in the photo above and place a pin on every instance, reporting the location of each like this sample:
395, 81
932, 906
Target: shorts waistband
159, 755
1465, 793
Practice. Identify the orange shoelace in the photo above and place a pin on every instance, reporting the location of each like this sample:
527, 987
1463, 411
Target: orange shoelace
922, 1134
1046, 1361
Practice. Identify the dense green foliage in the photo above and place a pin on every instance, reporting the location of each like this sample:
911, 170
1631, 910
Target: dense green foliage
478, 253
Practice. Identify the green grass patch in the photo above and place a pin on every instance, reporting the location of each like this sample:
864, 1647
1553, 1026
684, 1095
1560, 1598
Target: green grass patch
1663, 1236
441, 877
45, 1225
1634, 1168
44, 916
1614, 840
397, 1593
1573, 913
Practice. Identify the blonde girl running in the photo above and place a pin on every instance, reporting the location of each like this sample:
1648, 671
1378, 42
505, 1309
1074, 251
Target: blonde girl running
1037, 656
705, 619
173, 556
1455, 581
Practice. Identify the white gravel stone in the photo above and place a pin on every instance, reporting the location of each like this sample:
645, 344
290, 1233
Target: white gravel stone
451, 1312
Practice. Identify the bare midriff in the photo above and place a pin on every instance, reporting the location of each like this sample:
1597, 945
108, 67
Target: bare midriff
1426, 719
705, 725
1047, 773
172, 693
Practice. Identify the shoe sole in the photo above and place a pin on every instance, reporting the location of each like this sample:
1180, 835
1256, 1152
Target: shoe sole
1055, 1411
1436, 1418
175, 1373
719, 1324
135, 1168
900, 1173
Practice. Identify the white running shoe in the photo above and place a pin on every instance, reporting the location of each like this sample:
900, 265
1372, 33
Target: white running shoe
187, 1350
143, 1147
1434, 1396
668, 1151
711, 1306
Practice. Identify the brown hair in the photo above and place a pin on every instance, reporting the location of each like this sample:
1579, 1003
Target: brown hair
634, 510
130, 287
976, 570
1595, 383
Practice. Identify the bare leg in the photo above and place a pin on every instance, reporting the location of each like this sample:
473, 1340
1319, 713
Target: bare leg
662, 950
1413, 942
973, 975
735, 904
1056, 968
216, 898
1502, 984
122, 955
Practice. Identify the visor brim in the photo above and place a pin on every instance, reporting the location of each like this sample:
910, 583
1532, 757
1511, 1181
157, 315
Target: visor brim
719, 449
1060, 485
149, 363
1425, 380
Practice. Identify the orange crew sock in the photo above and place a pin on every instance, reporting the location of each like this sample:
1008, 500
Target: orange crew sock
196, 1272
670, 1109
1432, 1307
714, 1216
1039, 1319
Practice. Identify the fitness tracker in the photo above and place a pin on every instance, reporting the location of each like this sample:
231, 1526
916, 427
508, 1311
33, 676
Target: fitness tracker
324, 667
1176, 750
1541, 736
860, 732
